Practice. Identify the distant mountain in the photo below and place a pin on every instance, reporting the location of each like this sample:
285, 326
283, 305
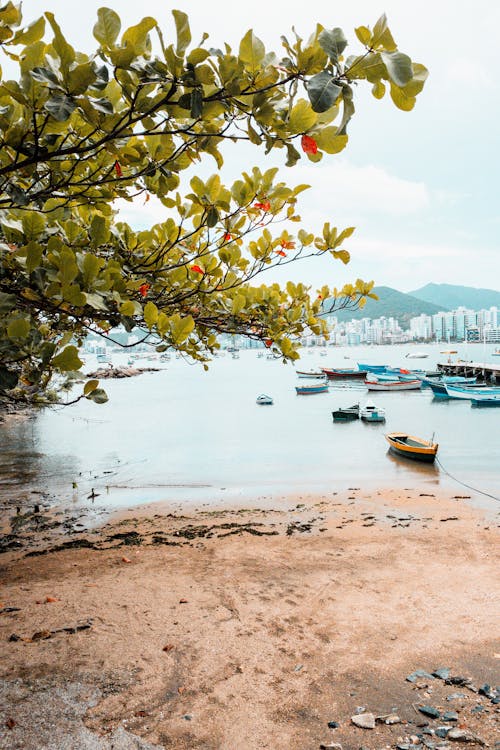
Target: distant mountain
391, 304
450, 296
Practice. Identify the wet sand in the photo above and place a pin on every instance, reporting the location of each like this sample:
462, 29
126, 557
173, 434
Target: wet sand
253, 628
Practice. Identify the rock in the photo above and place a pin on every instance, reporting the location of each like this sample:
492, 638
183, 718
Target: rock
455, 696
413, 677
429, 711
365, 721
441, 732
450, 716
331, 746
442, 673
333, 725
464, 735
389, 719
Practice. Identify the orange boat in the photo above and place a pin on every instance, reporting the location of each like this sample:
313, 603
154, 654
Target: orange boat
412, 447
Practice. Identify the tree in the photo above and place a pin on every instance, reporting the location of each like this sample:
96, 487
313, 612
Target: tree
80, 131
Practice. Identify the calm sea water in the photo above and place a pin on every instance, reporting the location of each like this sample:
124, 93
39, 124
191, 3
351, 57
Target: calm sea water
182, 434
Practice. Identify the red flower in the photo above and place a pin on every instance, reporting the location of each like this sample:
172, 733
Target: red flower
280, 252
227, 237
197, 269
309, 145
118, 169
268, 343
263, 206
143, 289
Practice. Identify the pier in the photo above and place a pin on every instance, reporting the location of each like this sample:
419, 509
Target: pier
486, 372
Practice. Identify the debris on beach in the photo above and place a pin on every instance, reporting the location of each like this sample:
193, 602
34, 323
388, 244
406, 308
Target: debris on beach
119, 372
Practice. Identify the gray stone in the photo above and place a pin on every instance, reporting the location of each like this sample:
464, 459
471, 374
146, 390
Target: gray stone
413, 677
464, 735
450, 716
331, 746
429, 711
365, 721
443, 673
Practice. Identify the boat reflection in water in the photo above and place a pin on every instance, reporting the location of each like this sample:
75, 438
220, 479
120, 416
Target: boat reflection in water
418, 468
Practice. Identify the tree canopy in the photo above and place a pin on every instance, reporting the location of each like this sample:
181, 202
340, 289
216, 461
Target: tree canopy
79, 131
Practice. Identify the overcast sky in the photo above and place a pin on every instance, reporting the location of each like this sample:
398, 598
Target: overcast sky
420, 187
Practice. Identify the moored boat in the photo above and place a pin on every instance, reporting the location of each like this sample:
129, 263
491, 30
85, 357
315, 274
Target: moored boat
346, 415
371, 413
412, 447
372, 368
306, 390
492, 401
343, 372
417, 355
393, 385
312, 374
472, 391
264, 400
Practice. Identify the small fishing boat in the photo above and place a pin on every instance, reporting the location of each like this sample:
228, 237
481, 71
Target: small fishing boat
306, 390
311, 374
264, 400
412, 447
346, 415
371, 413
392, 385
492, 401
496, 353
372, 368
333, 373
471, 391
427, 382
417, 355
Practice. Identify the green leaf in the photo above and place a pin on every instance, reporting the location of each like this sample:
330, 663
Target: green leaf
150, 314
196, 103
18, 328
333, 43
181, 328
399, 67
98, 396
127, 308
323, 91
183, 31
138, 36
30, 34
63, 49
60, 107
302, 117
107, 28
293, 155
364, 35
102, 105
90, 386
330, 141
212, 216
45, 75
7, 302
34, 252
33, 224
252, 51
67, 360
99, 232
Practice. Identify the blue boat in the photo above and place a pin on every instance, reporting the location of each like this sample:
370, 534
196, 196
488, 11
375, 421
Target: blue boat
306, 390
469, 392
453, 379
486, 402
372, 368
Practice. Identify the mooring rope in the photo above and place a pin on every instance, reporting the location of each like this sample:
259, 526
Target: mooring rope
470, 487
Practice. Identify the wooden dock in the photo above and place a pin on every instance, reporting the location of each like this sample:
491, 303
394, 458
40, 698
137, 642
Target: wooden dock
483, 372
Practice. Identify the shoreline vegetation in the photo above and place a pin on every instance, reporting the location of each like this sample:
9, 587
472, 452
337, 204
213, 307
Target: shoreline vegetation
293, 626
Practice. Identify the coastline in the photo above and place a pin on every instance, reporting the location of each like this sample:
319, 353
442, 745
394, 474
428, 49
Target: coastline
253, 627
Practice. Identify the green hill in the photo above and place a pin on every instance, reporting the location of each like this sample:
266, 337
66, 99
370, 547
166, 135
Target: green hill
391, 304
450, 296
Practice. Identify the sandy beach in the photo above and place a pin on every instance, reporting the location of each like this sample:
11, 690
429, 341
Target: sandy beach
255, 628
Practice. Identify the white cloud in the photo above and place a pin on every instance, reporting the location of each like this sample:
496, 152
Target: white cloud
361, 190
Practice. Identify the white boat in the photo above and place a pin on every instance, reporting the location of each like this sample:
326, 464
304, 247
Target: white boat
393, 385
371, 413
264, 400
479, 393
312, 374
417, 355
